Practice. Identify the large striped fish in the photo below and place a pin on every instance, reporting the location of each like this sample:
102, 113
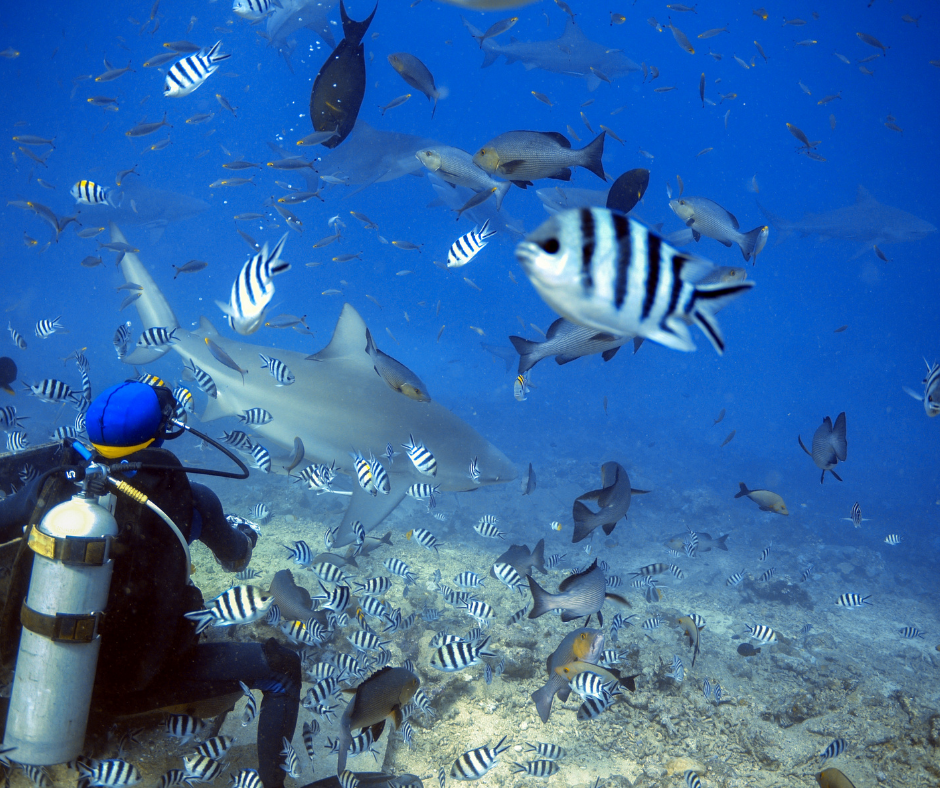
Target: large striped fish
607, 271
253, 289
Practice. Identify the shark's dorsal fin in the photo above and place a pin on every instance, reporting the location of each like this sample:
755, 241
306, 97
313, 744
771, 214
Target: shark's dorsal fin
863, 195
349, 340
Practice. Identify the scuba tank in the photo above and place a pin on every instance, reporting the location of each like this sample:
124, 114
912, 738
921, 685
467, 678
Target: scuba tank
59, 644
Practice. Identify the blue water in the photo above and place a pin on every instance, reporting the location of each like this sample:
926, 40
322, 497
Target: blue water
784, 368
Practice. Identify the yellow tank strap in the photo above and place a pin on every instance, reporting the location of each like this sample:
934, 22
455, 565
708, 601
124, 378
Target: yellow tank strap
91, 550
67, 627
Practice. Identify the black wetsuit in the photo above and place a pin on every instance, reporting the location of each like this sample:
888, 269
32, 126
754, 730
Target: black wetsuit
150, 656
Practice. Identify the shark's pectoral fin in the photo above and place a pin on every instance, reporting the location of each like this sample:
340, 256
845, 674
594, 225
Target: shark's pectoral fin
368, 509
593, 82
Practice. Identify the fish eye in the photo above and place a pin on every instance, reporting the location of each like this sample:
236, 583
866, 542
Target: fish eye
550, 246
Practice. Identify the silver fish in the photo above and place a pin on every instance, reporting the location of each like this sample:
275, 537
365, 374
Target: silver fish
706, 217
829, 446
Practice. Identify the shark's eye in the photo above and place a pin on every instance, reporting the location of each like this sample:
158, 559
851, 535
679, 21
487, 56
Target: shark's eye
550, 245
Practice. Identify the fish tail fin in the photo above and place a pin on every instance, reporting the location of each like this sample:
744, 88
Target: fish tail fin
581, 514
526, 348
910, 392
781, 226
839, 443
538, 557
709, 299
592, 155
720, 541
542, 698
542, 601
744, 491
501, 192
753, 241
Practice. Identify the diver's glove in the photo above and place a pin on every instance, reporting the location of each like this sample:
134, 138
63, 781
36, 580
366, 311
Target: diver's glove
250, 532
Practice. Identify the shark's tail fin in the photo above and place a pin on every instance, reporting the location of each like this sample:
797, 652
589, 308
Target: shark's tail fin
754, 242
781, 226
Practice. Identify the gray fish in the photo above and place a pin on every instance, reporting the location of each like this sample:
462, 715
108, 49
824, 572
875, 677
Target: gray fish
529, 486
143, 129
829, 446
580, 594
380, 696
613, 499
585, 645
867, 222
416, 74
707, 217
705, 542
523, 561
571, 53
396, 374
221, 356
529, 155
566, 341
189, 268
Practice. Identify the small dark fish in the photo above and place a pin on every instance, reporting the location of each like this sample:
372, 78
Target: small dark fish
747, 650
720, 416
729, 438
628, 190
881, 255
477, 199
799, 135
395, 374
416, 74
189, 268
840, 329
701, 88
143, 129
91, 262
872, 42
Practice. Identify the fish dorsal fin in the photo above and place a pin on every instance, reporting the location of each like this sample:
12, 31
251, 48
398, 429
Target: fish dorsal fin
554, 327
565, 584
206, 327
561, 139
862, 195
349, 340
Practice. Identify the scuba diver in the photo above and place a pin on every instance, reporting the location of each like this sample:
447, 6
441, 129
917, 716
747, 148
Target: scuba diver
150, 657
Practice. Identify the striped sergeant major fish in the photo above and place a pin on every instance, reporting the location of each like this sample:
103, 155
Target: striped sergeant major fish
609, 272
931, 395
465, 248
122, 338
300, 553
256, 417
201, 768
261, 458
836, 747
8, 417
246, 778
762, 633
254, 11
853, 600
189, 73
237, 605
379, 475
203, 379
16, 336
419, 455
157, 337
113, 772
544, 768
472, 765
253, 289
17, 441
52, 390
893, 539
46, 328
364, 473
91, 193
278, 369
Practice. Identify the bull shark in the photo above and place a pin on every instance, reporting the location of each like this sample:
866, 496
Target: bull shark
868, 221
289, 16
571, 53
336, 404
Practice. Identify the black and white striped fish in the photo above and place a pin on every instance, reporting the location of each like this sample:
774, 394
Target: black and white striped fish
909, 633
856, 515
278, 369
479, 609
335, 600
472, 765
174, 778
469, 580
254, 10
678, 669
255, 417
90, 193
508, 576
707, 688
184, 399
893, 539
52, 390
592, 708
931, 395
203, 379
216, 748
488, 529
201, 768
836, 747
424, 538
692, 780
379, 475
606, 271
374, 585
465, 248
762, 633
122, 339
16, 337
764, 553
253, 289
157, 337
735, 579
309, 736
184, 726
650, 569
364, 473
317, 477
474, 471
237, 605
398, 567
765, 576
543, 768
251, 705
260, 513
246, 778
516, 617
261, 458
653, 623
549, 752
189, 73
61, 433
853, 600
328, 571
301, 553
240, 440
110, 773
46, 328
423, 491
423, 459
